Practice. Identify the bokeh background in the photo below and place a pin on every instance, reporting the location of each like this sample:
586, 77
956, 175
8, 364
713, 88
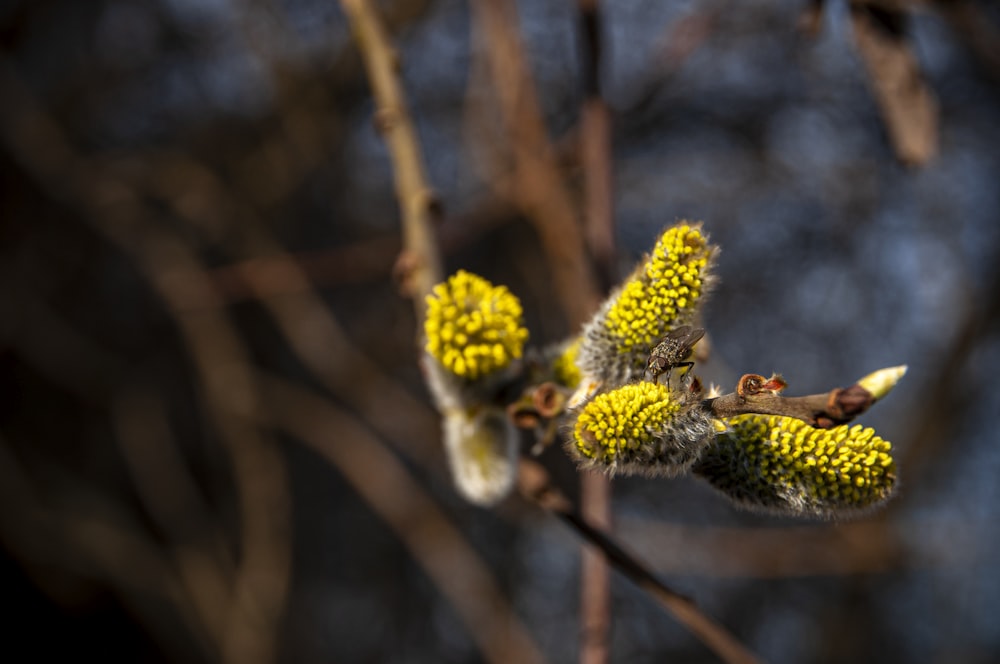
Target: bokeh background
215, 443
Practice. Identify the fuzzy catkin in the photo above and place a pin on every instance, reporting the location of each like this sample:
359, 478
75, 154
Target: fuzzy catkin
481, 447
641, 428
781, 464
663, 292
473, 328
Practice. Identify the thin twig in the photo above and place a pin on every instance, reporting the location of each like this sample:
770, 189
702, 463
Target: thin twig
419, 207
536, 184
755, 394
535, 485
595, 488
170, 496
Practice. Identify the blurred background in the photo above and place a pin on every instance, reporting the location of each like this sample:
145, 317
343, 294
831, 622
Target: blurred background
215, 443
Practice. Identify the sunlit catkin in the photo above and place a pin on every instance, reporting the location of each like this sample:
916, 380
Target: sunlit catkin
641, 428
780, 464
473, 328
663, 293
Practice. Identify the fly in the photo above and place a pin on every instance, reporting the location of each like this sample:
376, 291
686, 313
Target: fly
673, 351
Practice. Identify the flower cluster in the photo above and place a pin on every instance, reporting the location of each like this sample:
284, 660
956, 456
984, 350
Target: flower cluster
782, 464
473, 328
640, 427
638, 408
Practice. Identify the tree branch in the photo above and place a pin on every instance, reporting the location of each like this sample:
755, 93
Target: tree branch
908, 105
536, 486
595, 488
419, 267
756, 394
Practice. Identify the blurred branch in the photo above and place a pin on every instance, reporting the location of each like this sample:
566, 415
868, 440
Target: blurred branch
595, 488
420, 264
536, 486
171, 498
362, 261
324, 347
174, 271
263, 573
277, 280
429, 535
908, 105
679, 40
535, 183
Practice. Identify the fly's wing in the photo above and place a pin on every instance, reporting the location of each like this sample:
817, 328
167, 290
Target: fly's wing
686, 336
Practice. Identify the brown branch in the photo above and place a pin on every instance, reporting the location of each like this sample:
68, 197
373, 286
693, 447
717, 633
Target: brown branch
907, 103
170, 496
359, 262
536, 486
535, 183
420, 263
755, 394
595, 488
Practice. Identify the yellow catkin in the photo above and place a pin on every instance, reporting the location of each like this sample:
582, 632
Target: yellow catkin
783, 464
616, 423
473, 328
664, 292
